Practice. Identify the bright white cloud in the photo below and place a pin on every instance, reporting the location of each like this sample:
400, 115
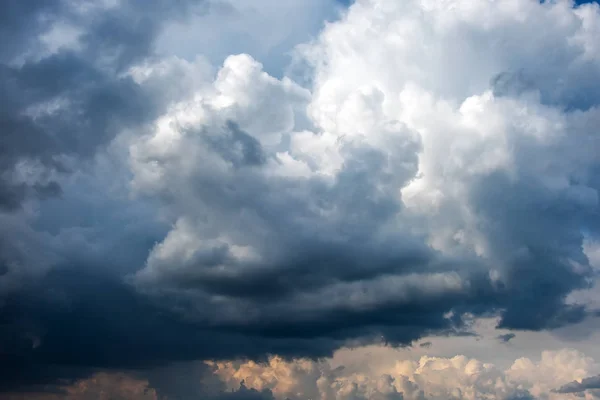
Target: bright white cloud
437, 141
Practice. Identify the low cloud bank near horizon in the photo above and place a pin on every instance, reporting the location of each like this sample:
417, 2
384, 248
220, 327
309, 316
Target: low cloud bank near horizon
426, 378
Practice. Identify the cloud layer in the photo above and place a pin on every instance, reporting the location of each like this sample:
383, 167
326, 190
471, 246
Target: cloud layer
426, 378
432, 162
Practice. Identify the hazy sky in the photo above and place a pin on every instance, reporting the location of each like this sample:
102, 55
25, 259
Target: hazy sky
299, 199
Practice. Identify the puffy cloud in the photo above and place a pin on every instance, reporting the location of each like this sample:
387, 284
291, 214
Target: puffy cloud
553, 368
438, 167
490, 155
263, 233
64, 99
428, 378
425, 378
442, 162
71, 80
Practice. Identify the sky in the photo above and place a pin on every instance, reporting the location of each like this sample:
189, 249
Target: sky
299, 199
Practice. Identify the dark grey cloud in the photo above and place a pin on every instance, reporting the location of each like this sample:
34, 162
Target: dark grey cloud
521, 395
593, 382
21, 22
74, 323
57, 110
565, 93
72, 101
60, 108
507, 337
503, 206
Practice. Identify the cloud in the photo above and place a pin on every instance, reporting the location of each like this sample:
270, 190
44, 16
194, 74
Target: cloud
428, 378
592, 382
64, 99
440, 165
401, 193
67, 102
506, 337
99, 386
130, 386
75, 323
424, 378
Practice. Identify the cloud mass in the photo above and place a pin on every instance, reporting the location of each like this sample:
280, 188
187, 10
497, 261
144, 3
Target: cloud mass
419, 165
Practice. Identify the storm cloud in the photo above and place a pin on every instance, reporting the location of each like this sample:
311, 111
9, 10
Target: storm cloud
439, 163
592, 382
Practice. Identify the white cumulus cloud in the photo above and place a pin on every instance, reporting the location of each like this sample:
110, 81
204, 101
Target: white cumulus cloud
444, 156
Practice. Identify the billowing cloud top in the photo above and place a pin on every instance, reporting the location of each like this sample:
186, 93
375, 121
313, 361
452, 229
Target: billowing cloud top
420, 163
